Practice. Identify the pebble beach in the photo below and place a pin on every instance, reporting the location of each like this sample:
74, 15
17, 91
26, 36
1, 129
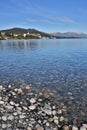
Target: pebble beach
29, 108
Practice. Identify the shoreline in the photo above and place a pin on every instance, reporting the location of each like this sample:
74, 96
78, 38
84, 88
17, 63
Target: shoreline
30, 108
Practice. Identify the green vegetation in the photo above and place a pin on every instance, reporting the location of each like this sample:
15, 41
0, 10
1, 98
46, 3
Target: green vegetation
19, 36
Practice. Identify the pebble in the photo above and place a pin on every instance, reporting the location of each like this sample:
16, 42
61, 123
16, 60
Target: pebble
1, 102
22, 116
65, 127
0, 98
32, 100
59, 111
1, 87
4, 118
4, 126
56, 121
85, 125
75, 128
9, 107
12, 103
40, 128
82, 128
9, 86
47, 124
61, 118
54, 112
25, 108
27, 87
54, 107
48, 112
10, 117
55, 118
33, 107
29, 128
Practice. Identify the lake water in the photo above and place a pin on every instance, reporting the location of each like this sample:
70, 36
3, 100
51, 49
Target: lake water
56, 64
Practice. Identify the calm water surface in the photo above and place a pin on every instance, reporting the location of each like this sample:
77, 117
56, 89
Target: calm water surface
56, 64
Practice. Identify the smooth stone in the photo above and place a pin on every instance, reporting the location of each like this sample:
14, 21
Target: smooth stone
15, 113
12, 103
56, 121
40, 100
0, 98
39, 121
47, 128
27, 87
16, 104
25, 108
85, 125
33, 107
59, 112
54, 112
82, 128
47, 106
16, 89
14, 94
47, 124
46, 96
29, 128
20, 91
9, 86
75, 128
4, 126
9, 107
69, 93
1, 87
1, 102
4, 118
55, 118
22, 116
54, 107
54, 128
10, 117
44, 121
19, 108
40, 128
61, 118
32, 100
65, 127
50, 119
48, 112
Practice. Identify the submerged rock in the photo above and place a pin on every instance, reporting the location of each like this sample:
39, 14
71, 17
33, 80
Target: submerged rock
33, 107
82, 128
32, 100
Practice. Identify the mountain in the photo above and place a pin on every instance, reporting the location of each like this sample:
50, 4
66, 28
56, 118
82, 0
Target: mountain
23, 31
70, 35
44, 34
15, 30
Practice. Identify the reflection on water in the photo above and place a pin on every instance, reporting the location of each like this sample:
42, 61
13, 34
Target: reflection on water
19, 44
57, 64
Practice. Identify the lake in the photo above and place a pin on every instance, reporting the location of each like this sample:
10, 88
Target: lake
59, 64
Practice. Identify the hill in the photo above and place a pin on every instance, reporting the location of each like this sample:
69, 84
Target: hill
24, 31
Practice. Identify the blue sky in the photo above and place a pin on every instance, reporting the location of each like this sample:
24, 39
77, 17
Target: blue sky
45, 15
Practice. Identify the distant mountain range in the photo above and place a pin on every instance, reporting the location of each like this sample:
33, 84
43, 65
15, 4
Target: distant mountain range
54, 35
70, 35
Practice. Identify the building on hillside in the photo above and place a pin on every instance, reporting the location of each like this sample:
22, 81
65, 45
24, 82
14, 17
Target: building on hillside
2, 34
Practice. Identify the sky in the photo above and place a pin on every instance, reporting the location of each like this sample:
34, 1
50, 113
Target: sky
44, 15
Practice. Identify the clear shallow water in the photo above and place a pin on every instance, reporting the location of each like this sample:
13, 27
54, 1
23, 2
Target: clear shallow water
56, 64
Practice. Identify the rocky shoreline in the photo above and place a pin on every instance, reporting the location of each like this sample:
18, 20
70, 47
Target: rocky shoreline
29, 108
